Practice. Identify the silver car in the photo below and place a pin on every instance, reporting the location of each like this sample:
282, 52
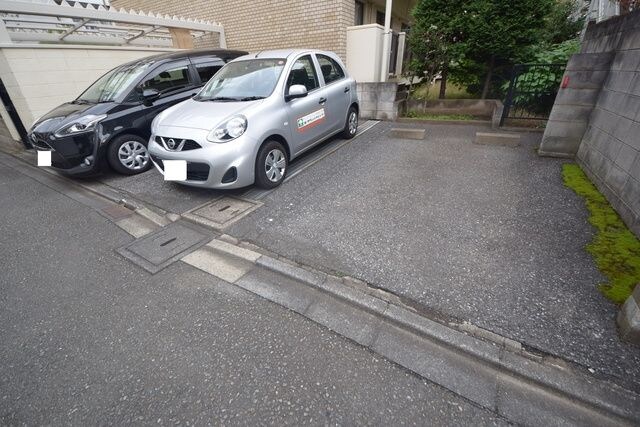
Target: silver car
259, 112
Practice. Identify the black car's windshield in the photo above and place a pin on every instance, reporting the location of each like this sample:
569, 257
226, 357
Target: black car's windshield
114, 83
243, 81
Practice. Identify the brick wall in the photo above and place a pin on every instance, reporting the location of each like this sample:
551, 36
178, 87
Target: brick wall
265, 24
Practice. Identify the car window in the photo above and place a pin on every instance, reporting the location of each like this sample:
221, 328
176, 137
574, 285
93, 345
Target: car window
168, 80
245, 80
207, 70
114, 83
303, 73
331, 70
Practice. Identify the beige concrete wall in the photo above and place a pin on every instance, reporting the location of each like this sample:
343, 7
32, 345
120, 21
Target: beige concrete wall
40, 78
266, 24
364, 52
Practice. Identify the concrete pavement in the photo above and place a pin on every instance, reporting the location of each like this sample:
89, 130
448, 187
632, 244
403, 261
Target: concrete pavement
475, 233
89, 338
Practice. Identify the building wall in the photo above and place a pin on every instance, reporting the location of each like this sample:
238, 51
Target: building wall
35, 90
266, 24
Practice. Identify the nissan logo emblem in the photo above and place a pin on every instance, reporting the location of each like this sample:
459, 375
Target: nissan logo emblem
171, 143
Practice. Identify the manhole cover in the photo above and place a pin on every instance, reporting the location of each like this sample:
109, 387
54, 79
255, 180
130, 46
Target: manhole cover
155, 251
222, 212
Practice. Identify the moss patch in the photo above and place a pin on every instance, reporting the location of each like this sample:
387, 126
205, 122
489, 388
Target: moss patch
615, 249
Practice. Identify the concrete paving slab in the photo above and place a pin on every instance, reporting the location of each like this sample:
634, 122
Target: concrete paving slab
357, 325
407, 133
495, 138
233, 249
137, 225
224, 267
272, 286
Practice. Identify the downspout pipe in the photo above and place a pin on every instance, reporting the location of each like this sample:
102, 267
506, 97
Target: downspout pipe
386, 42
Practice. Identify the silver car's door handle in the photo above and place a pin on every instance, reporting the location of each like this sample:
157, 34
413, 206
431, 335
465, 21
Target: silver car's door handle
322, 100
347, 89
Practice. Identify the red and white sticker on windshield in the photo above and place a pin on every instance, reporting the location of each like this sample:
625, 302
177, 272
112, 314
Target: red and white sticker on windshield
310, 120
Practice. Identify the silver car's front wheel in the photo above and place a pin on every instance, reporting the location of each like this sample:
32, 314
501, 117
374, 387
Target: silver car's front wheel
271, 164
351, 126
353, 122
275, 165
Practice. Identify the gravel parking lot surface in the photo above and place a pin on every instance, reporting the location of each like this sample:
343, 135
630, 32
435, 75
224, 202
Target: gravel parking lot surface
481, 233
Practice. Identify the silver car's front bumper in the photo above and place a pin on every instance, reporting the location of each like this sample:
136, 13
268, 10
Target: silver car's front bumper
220, 157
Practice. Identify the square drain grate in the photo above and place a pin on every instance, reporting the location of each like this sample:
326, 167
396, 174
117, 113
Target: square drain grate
157, 250
222, 212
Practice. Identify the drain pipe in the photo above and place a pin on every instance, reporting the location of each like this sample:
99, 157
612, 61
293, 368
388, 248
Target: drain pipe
386, 42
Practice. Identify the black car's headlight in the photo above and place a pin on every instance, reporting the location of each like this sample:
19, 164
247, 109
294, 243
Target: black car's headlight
83, 124
228, 130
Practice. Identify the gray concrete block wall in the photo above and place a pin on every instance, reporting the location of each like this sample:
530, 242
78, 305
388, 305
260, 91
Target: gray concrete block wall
378, 101
609, 150
574, 104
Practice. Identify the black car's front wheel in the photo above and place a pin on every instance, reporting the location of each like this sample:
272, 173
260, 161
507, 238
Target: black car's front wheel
271, 165
128, 155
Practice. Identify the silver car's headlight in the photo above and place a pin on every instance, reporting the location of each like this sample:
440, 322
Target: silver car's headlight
228, 130
83, 124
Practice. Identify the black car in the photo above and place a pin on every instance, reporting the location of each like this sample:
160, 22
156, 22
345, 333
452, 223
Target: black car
111, 119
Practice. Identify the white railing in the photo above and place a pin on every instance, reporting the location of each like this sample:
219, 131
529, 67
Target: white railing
22, 22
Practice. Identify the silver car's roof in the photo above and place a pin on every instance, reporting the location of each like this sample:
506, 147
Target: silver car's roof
280, 53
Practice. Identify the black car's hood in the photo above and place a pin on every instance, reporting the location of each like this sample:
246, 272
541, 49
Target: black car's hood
67, 113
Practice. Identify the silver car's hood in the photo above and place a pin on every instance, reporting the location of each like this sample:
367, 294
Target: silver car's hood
203, 115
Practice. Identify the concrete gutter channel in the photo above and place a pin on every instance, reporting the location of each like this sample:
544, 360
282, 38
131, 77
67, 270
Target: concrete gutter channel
492, 371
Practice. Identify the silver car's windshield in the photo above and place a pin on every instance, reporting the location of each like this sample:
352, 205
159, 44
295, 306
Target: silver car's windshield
114, 83
243, 81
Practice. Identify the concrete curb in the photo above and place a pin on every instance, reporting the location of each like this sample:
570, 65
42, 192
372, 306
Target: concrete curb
444, 122
493, 371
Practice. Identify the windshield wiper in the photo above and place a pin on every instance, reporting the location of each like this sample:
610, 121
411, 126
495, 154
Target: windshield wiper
252, 98
220, 98
80, 101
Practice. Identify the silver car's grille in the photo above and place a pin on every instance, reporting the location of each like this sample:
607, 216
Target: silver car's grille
177, 144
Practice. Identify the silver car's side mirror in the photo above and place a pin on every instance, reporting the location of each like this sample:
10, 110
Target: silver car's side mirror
296, 91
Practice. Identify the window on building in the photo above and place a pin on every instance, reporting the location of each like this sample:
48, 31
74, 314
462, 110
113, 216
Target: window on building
359, 15
380, 18
168, 80
303, 73
207, 70
331, 70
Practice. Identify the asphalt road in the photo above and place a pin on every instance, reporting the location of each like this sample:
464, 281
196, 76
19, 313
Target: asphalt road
88, 338
480, 233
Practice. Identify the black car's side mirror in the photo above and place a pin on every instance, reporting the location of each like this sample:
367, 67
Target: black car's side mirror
150, 94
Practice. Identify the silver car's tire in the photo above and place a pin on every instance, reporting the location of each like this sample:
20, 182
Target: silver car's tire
271, 165
351, 126
128, 155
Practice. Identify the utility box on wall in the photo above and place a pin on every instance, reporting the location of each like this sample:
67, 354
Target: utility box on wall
364, 52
